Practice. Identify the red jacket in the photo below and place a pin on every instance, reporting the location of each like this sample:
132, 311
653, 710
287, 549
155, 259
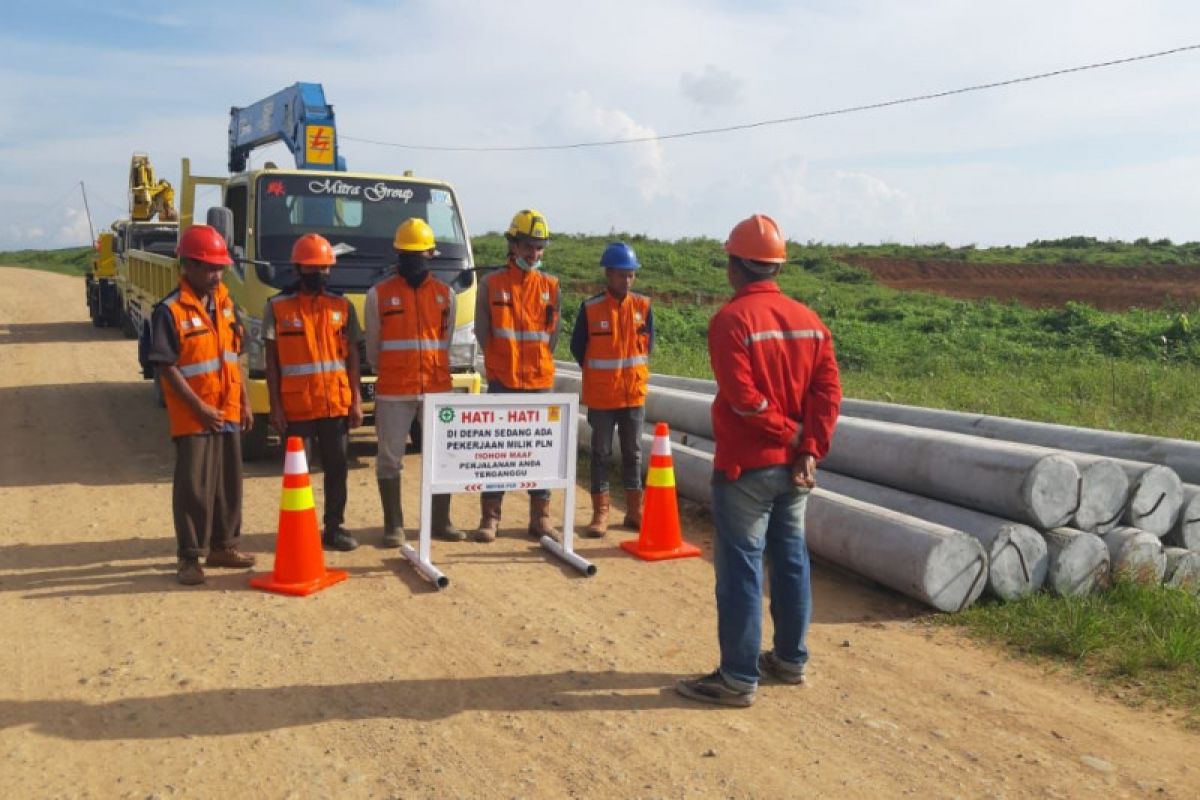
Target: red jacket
775, 369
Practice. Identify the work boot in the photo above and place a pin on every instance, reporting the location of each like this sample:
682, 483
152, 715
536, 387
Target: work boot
443, 528
489, 518
336, 537
599, 524
539, 518
190, 573
633, 509
393, 512
229, 557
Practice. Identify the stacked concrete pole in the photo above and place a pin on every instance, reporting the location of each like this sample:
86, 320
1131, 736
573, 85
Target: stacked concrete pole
1155, 497
1135, 554
1183, 568
1103, 491
1078, 562
935, 564
1186, 532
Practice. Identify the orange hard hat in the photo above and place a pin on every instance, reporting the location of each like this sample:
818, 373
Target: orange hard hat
205, 244
313, 250
757, 238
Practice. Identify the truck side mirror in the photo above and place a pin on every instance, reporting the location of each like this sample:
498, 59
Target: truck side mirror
465, 280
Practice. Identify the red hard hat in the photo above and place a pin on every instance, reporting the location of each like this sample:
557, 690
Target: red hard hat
757, 238
313, 250
204, 243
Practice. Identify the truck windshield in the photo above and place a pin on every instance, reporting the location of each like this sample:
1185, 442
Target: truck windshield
359, 217
161, 239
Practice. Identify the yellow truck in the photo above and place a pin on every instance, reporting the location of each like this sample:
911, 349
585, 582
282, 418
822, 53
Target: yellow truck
264, 210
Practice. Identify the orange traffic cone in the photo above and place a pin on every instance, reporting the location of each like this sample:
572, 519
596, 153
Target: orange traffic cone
660, 537
299, 562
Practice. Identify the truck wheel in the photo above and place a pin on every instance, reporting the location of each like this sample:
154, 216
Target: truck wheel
256, 443
127, 327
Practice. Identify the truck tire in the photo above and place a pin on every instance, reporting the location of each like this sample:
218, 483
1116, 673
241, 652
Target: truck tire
127, 326
256, 444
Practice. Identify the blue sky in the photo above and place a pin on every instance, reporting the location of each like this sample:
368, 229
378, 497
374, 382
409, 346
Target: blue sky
1111, 153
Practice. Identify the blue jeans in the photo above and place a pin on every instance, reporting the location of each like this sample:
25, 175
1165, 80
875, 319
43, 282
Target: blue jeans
761, 512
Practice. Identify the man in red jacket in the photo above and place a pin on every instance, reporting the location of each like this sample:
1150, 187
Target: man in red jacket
773, 417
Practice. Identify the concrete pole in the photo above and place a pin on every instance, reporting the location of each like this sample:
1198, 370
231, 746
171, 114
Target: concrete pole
1186, 532
1103, 492
1183, 568
1017, 557
1019, 482
1078, 562
1156, 495
1178, 454
941, 567
1136, 555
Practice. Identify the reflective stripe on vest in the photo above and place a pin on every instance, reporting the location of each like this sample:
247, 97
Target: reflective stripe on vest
782, 335
414, 344
319, 367
521, 336
203, 367
616, 363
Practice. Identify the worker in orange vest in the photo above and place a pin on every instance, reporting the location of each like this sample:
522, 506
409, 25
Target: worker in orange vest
311, 338
516, 325
409, 323
195, 342
612, 340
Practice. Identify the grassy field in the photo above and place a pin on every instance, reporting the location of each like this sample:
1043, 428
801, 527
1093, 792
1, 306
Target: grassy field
68, 261
1142, 643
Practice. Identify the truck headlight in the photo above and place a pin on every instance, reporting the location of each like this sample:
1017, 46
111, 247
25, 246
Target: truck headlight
256, 352
462, 347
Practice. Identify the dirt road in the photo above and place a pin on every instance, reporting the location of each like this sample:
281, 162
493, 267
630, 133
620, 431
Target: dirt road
521, 679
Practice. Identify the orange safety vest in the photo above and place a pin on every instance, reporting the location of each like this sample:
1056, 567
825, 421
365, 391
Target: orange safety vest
311, 339
524, 315
414, 337
616, 366
208, 359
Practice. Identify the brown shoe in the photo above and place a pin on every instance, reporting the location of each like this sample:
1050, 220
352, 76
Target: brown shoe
189, 573
539, 519
599, 524
489, 518
229, 557
633, 509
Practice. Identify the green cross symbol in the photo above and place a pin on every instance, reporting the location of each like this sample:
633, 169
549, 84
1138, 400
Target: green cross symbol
446, 415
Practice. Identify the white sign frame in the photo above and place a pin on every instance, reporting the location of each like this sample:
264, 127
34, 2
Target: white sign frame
564, 478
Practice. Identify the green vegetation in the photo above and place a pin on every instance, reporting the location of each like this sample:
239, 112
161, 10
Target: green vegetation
1143, 640
1070, 250
1074, 365
69, 260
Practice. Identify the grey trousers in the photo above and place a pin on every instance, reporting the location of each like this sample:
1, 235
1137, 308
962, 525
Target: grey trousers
207, 496
495, 387
393, 418
628, 422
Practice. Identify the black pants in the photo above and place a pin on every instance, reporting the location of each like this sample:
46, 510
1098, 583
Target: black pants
495, 387
332, 436
207, 498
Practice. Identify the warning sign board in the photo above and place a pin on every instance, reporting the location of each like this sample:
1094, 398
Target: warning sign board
482, 443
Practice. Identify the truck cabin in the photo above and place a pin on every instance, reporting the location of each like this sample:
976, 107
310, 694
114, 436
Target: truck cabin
358, 215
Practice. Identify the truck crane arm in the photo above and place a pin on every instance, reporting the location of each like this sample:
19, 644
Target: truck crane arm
299, 117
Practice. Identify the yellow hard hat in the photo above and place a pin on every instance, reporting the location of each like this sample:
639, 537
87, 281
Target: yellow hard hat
414, 236
530, 223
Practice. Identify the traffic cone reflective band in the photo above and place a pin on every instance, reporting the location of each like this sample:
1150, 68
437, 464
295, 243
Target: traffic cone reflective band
299, 561
660, 537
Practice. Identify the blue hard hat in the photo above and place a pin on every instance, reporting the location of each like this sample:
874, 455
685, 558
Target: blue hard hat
619, 255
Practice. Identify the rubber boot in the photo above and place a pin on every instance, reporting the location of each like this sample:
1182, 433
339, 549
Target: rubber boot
393, 512
599, 524
633, 509
442, 527
539, 519
489, 518
335, 537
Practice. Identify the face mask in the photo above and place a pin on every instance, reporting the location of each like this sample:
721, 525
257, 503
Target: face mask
313, 281
525, 265
413, 270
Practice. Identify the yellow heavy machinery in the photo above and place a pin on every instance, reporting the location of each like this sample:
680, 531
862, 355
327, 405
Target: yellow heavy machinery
148, 197
264, 210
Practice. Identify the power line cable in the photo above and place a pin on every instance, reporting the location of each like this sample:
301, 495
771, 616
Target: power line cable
782, 120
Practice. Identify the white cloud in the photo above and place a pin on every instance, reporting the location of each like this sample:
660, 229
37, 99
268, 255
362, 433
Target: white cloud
643, 163
713, 86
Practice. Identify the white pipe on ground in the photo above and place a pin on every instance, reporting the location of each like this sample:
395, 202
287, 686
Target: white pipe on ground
1078, 562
